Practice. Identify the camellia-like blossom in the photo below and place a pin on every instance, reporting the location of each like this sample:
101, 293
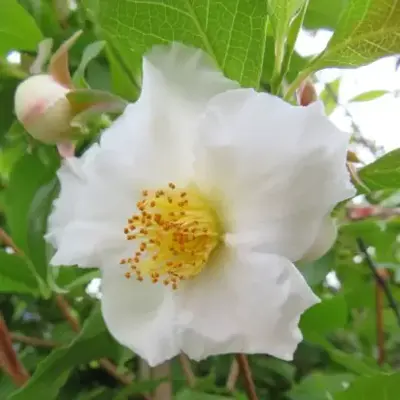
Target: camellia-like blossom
195, 205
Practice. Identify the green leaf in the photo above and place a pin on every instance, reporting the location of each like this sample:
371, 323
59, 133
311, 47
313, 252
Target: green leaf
384, 173
317, 386
7, 90
324, 13
315, 272
324, 318
367, 30
139, 387
37, 225
383, 386
91, 52
232, 32
124, 80
188, 394
281, 13
92, 343
18, 30
16, 275
330, 95
367, 96
28, 174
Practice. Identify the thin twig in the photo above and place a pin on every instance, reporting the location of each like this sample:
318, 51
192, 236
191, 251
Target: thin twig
164, 389
232, 376
187, 370
74, 323
7, 240
380, 334
9, 361
109, 367
359, 137
382, 282
34, 341
65, 310
245, 371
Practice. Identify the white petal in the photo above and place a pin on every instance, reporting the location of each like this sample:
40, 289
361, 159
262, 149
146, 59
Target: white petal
139, 315
72, 177
147, 147
106, 200
277, 170
325, 239
250, 304
156, 133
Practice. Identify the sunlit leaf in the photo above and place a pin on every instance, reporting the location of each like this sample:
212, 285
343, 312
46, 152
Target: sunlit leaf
384, 173
383, 386
18, 30
51, 374
16, 275
367, 96
367, 30
232, 32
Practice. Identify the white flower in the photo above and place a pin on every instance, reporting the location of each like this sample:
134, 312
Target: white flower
195, 205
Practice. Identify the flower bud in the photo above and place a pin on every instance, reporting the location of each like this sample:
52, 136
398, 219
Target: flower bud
325, 239
43, 109
306, 93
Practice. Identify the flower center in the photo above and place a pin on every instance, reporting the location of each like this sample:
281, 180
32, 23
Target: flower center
176, 230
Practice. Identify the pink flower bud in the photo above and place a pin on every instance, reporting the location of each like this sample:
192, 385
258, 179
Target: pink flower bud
306, 93
43, 109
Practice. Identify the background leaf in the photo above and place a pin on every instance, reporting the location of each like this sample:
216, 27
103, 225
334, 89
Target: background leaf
366, 31
233, 32
18, 29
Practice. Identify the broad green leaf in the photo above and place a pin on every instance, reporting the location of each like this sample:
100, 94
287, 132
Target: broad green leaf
330, 95
139, 387
29, 174
188, 394
16, 275
7, 90
324, 13
318, 386
324, 318
124, 79
281, 13
367, 30
91, 52
315, 272
384, 173
383, 386
232, 32
37, 225
18, 30
367, 96
51, 374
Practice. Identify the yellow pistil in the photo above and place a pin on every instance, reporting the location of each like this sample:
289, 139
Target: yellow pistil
176, 231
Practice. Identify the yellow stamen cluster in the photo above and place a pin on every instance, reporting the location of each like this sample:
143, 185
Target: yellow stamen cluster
176, 231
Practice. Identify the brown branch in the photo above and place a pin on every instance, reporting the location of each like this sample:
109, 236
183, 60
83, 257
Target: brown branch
187, 370
233, 376
380, 334
109, 367
7, 241
245, 371
164, 389
33, 341
66, 312
9, 361
382, 282
106, 364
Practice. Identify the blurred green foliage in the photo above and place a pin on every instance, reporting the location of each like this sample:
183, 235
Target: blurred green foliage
252, 41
